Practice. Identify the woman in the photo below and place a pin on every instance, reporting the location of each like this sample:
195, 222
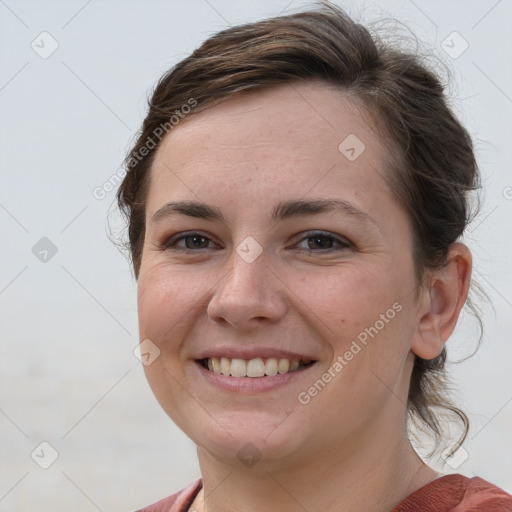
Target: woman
295, 201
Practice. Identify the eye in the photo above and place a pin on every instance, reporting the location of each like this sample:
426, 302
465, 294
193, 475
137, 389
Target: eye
317, 241
188, 241
321, 241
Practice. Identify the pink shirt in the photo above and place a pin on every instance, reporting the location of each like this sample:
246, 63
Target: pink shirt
449, 493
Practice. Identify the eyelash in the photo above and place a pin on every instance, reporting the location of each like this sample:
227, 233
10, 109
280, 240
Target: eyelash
343, 244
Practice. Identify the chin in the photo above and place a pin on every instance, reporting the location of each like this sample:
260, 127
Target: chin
247, 438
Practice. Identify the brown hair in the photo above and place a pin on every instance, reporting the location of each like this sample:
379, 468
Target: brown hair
432, 159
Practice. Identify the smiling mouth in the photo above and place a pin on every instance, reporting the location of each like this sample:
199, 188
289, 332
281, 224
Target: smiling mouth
258, 367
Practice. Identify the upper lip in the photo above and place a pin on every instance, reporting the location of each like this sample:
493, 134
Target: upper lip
250, 353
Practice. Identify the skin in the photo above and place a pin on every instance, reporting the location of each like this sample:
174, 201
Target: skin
347, 449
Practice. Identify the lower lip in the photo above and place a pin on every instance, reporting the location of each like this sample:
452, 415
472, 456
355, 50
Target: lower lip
251, 384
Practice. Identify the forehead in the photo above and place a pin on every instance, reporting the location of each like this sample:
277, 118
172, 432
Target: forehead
307, 118
292, 139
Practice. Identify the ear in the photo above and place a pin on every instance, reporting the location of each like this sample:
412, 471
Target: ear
441, 302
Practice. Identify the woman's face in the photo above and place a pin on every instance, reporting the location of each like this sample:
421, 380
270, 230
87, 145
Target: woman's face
272, 237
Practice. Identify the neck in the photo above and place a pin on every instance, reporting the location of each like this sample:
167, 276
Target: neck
373, 473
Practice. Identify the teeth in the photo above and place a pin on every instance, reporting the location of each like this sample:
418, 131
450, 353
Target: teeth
238, 368
284, 365
254, 367
216, 364
271, 366
225, 365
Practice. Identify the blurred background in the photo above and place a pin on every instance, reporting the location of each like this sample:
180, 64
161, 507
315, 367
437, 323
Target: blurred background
79, 426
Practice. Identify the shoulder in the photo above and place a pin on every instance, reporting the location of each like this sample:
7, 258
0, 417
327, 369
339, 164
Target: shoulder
482, 496
179, 502
457, 493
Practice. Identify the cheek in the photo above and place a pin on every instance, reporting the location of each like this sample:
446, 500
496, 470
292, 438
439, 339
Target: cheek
364, 316
351, 299
165, 299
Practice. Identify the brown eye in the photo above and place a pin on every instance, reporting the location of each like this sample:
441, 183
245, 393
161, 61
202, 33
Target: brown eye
196, 242
320, 241
191, 241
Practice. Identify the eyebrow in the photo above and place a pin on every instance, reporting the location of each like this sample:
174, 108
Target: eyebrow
282, 211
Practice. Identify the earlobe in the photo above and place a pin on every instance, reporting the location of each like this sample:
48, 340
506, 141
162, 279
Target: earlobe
442, 301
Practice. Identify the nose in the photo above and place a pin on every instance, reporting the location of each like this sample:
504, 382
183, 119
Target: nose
249, 296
